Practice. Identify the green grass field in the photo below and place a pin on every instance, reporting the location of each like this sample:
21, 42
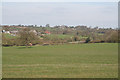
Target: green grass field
98, 60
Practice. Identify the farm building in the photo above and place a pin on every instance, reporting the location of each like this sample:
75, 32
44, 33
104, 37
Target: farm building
47, 32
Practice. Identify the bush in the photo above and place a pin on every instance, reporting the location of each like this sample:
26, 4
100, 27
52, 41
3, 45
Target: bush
7, 41
113, 37
76, 38
87, 40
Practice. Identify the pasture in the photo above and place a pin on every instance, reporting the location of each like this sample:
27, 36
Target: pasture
95, 60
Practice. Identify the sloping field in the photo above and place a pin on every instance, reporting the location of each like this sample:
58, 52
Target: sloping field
61, 61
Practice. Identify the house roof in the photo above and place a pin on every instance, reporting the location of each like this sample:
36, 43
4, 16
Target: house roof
47, 32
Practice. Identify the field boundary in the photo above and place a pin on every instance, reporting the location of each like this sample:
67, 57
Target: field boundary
60, 79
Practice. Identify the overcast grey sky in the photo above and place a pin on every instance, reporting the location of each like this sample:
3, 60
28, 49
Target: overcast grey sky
60, 0
102, 14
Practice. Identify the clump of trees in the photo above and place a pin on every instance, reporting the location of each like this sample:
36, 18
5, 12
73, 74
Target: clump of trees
112, 37
24, 38
7, 41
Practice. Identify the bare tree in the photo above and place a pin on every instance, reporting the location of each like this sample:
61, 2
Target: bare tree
26, 36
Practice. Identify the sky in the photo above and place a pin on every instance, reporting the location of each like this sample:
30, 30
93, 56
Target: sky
101, 14
60, 0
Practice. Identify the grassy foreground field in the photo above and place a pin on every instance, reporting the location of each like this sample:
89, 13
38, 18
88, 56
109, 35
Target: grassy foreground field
61, 61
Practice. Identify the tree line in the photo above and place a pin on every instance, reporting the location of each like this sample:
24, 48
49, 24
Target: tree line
79, 34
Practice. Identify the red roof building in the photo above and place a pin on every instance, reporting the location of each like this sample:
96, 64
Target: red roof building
47, 32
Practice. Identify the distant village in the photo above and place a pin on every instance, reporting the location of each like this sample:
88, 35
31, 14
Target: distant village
63, 27
15, 32
64, 34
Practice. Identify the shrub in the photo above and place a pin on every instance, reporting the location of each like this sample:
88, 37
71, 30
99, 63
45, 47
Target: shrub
76, 38
87, 40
